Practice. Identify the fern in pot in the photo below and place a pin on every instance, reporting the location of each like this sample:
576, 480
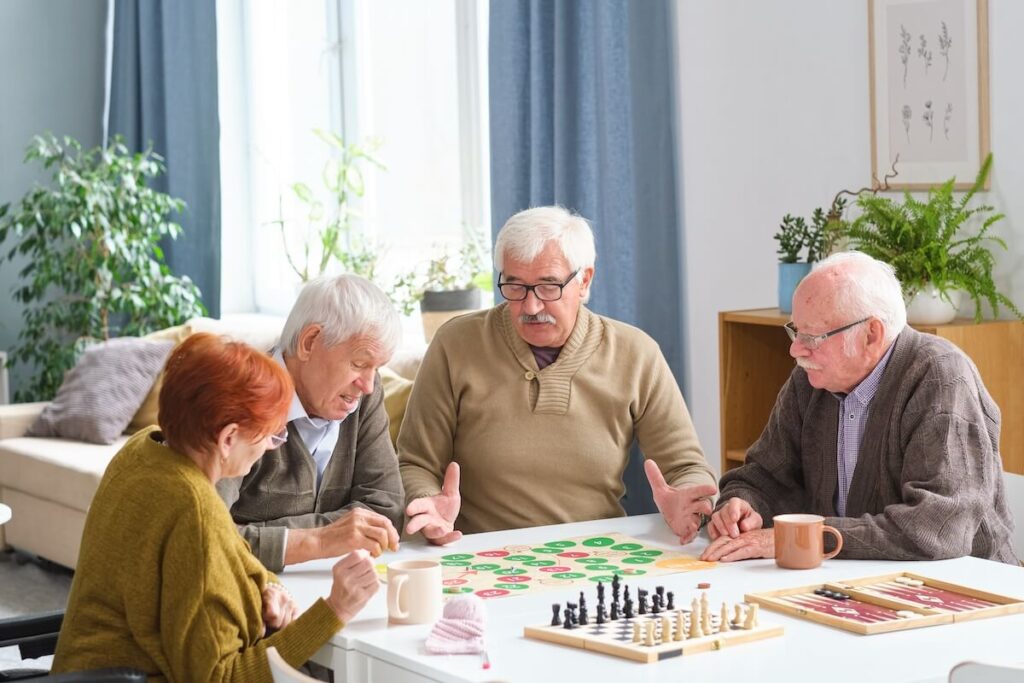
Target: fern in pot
936, 252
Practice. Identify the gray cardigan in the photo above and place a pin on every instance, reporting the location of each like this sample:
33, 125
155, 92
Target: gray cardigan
280, 491
928, 483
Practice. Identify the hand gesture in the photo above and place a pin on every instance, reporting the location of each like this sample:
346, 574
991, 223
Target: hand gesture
749, 544
681, 507
435, 515
733, 518
355, 582
279, 607
358, 528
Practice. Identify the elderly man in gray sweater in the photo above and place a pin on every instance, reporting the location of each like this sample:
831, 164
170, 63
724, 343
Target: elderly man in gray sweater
887, 432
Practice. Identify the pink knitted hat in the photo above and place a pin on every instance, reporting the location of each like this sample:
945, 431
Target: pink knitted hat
460, 630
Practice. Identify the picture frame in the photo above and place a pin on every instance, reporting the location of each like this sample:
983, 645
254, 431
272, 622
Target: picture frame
929, 97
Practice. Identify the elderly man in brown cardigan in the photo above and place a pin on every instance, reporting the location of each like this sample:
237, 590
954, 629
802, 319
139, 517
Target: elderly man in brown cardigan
888, 433
331, 485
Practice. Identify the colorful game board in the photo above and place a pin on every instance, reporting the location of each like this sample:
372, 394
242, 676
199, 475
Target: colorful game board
579, 562
653, 637
891, 602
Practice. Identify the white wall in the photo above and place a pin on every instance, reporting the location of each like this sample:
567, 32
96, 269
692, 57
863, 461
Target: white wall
774, 118
51, 79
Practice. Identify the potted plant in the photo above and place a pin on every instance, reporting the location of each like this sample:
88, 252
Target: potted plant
794, 236
934, 250
94, 266
445, 286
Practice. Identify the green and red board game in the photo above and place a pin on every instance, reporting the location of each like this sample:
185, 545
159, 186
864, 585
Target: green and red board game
581, 561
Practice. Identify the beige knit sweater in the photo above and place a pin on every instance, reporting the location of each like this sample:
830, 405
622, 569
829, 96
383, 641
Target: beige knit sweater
548, 446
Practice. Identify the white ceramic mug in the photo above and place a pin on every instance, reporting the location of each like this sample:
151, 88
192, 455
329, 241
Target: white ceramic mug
414, 592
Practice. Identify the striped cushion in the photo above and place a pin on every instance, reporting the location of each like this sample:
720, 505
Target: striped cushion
102, 392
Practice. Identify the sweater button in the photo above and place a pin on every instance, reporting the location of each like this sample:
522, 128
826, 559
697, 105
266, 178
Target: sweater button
530, 374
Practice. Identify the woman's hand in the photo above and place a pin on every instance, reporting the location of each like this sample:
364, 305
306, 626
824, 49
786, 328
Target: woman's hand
279, 607
355, 582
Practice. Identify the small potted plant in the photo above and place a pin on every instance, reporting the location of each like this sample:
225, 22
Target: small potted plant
934, 250
447, 285
794, 236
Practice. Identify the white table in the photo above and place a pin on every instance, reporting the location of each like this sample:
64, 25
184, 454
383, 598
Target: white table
369, 650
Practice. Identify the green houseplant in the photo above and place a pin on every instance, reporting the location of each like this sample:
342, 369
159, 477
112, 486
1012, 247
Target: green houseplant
329, 232
94, 266
932, 246
801, 244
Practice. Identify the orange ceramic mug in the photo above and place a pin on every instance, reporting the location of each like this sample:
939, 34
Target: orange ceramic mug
800, 541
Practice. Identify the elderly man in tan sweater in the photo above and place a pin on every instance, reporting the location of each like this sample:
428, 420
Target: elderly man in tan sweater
523, 415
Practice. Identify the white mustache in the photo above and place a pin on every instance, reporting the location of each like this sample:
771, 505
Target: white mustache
539, 318
807, 365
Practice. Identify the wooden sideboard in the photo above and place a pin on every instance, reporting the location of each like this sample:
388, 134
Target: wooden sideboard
754, 362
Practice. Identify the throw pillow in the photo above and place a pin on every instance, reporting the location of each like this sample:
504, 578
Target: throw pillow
147, 412
103, 390
396, 397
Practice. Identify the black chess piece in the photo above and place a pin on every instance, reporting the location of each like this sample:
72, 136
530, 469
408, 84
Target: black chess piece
555, 609
660, 592
615, 587
584, 617
600, 593
615, 611
671, 602
655, 607
642, 594
583, 601
625, 595
568, 620
601, 617
572, 612
629, 609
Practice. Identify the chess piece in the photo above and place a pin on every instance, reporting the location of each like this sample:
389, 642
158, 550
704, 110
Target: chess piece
723, 619
625, 595
737, 620
660, 592
671, 602
629, 609
567, 624
615, 588
642, 594
649, 640
600, 593
751, 621
555, 609
614, 616
666, 630
680, 623
583, 614
655, 607
695, 626
705, 619
601, 616
572, 612
636, 631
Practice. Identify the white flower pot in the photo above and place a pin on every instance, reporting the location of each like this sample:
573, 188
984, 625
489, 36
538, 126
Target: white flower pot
927, 307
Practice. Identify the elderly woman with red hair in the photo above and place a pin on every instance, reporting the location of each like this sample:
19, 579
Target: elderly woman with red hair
164, 583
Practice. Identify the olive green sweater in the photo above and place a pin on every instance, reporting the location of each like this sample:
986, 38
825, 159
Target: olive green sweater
166, 585
542, 446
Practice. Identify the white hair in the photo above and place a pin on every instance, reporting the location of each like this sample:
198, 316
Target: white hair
344, 306
866, 287
525, 234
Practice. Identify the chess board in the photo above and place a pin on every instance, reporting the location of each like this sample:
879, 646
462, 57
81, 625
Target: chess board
890, 602
617, 637
575, 563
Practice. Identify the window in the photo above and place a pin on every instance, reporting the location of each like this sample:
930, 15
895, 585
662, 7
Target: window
410, 74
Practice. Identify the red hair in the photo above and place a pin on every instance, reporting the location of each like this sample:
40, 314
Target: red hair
211, 382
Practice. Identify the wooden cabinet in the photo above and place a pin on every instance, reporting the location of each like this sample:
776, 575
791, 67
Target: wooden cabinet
754, 362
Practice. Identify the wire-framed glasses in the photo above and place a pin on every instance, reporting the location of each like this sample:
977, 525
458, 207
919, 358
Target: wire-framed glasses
545, 291
813, 341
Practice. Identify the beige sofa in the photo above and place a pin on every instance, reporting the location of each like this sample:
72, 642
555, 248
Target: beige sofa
49, 482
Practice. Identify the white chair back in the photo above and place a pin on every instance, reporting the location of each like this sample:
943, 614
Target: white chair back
282, 672
986, 672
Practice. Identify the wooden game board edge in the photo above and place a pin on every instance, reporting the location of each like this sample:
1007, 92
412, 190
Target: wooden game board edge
710, 643
1006, 604
769, 601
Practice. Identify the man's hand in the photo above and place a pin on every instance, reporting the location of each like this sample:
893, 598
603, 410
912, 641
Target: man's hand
735, 517
681, 507
749, 544
358, 528
278, 607
435, 515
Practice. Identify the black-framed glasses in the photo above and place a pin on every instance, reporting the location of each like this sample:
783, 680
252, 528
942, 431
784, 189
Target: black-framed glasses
813, 341
545, 291
277, 440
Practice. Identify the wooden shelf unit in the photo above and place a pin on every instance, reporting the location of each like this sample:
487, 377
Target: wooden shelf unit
754, 363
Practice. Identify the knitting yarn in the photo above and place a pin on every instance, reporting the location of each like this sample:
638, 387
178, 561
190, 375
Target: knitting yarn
460, 630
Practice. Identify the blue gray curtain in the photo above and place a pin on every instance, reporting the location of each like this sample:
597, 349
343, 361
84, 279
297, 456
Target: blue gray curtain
164, 90
581, 115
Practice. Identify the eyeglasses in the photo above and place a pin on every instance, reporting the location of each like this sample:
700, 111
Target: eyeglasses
813, 341
513, 291
277, 440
